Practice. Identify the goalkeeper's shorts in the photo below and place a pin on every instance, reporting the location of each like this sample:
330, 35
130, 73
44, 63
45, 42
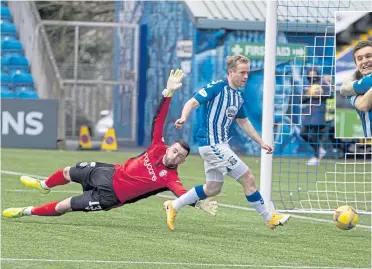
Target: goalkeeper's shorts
221, 158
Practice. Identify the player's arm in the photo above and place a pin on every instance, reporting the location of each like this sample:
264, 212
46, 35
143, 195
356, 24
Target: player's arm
351, 87
363, 85
186, 111
250, 131
364, 102
208, 205
201, 97
173, 84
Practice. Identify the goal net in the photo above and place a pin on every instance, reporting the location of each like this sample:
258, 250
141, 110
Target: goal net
317, 172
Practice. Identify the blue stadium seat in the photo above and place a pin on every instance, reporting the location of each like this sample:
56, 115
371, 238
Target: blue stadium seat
11, 47
4, 62
6, 16
24, 93
23, 85
5, 80
16, 64
8, 31
5, 91
22, 79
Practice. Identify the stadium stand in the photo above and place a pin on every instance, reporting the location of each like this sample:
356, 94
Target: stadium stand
16, 80
352, 28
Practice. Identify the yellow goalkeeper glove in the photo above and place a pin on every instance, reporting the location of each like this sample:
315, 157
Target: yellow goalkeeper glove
208, 205
174, 82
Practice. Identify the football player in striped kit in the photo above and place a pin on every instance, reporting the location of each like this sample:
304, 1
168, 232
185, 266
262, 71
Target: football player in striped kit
358, 88
221, 103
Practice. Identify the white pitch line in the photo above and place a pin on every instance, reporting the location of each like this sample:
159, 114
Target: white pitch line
171, 197
174, 263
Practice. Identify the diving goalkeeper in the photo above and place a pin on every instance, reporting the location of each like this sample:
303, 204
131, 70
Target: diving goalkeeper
106, 186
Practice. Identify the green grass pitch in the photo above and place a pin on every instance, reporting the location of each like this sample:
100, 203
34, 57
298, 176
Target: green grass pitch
136, 235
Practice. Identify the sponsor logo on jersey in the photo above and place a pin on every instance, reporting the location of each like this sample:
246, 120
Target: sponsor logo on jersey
203, 93
149, 167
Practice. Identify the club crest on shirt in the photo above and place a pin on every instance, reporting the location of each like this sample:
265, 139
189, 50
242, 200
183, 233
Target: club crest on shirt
231, 111
163, 173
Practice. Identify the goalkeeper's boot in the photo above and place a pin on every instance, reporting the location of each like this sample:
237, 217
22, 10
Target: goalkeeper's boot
33, 183
278, 220
16, 212
171, 214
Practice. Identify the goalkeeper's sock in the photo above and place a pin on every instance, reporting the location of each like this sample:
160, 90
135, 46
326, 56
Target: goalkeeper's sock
54, 180
256, 201
192, 196
48, 209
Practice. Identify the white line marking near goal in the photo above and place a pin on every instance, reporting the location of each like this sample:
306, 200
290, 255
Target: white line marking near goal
172, 197
171, 263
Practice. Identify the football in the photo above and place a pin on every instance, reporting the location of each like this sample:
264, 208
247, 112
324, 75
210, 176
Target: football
345, 217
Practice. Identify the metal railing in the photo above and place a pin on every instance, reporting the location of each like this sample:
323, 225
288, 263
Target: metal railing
88, 73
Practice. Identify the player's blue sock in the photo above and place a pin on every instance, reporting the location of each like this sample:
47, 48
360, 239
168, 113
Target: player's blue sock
256, 201
190, 197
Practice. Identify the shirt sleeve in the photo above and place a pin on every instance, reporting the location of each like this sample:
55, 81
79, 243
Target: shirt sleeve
159, 119
176, 187
208, 92
242, 112
351, 100
363, 85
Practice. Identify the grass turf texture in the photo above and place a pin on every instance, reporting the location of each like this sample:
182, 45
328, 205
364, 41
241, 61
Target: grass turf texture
137, 236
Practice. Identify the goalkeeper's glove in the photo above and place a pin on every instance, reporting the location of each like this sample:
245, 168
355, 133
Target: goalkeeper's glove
174, 82
208, 205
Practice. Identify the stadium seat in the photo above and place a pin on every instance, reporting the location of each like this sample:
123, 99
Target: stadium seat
22, 79
4, 67
6, 16
8, 31
23, 85
6, 92
24, 93
16, 64
11, 47
5, 82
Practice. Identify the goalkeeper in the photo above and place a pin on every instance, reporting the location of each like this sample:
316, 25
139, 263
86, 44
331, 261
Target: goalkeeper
358, 88
106, 186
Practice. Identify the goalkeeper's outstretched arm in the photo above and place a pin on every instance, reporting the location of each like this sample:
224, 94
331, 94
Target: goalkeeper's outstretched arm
173, 84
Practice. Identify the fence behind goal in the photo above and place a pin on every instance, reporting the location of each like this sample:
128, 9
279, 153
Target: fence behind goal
333, 172
90, 72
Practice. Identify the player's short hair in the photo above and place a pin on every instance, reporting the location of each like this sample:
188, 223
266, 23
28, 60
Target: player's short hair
233, 61
358, 46
183, 144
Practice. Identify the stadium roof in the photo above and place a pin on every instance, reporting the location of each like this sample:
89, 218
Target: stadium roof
299, 16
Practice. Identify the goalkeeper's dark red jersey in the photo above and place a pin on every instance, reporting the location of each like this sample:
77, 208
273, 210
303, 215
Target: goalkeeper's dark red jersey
146, 175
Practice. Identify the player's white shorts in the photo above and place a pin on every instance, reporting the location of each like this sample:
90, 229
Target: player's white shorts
222, 159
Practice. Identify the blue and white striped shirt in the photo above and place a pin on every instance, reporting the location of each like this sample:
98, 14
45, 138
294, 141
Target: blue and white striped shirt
220, 105
365, 117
